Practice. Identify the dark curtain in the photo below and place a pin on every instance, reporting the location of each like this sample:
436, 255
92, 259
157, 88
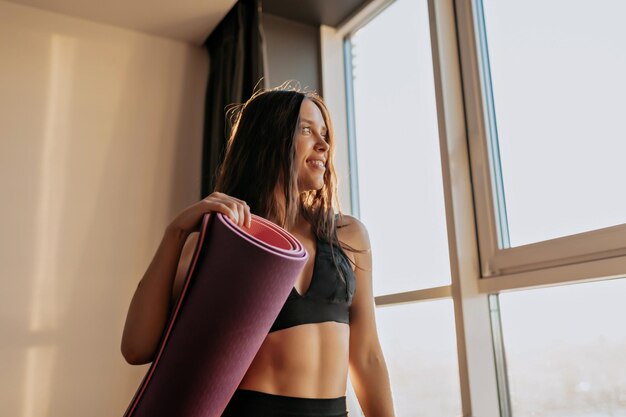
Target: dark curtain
237, 63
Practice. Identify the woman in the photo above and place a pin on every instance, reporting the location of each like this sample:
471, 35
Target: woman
279, 165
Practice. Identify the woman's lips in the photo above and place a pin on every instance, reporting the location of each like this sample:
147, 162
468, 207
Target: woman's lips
316, 164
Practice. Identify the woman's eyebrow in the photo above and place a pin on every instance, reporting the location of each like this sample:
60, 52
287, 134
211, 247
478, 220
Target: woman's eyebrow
311, 122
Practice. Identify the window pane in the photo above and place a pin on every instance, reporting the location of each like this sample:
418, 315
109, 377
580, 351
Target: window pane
566, 350
419, 344
397, 148
557, 74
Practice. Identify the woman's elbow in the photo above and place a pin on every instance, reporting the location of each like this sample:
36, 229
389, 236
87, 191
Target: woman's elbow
368, 359
134, 356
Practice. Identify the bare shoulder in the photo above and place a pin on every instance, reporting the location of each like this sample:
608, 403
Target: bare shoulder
353, 232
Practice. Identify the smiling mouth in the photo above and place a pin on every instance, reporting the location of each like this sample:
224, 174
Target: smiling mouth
316, 163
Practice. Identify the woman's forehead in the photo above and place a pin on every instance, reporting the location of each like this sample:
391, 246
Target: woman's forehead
309, 112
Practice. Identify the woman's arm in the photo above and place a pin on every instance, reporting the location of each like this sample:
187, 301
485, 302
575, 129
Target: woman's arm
368, 370
150, 306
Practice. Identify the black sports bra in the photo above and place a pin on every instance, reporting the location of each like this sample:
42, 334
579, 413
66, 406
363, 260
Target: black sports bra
327, 298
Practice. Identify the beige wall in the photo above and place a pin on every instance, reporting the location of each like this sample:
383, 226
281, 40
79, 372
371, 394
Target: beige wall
293, 52
100, 140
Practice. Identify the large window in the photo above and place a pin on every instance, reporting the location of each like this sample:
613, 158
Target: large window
400, 199
397, 149
485, 146
551, 84
420, 348
557, 76
565, 350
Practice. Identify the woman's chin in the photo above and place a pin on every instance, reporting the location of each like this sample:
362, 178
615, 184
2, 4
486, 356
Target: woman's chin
311, 187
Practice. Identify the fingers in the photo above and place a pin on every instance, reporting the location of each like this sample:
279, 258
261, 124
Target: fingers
237, 210
245, 215
241, 217
248, 217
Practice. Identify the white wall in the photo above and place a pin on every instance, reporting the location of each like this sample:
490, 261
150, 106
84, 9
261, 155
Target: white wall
100, 146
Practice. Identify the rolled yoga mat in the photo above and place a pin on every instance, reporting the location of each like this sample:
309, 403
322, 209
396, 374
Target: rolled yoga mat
237, 283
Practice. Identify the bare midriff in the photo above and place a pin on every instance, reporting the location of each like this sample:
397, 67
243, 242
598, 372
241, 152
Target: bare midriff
308, 360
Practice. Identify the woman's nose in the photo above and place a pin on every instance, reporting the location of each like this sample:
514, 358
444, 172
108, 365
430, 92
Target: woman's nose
322, 145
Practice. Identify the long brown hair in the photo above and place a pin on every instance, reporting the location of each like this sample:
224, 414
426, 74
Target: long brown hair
260, 158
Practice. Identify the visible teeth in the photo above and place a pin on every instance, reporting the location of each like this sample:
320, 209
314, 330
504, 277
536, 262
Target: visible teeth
316, 162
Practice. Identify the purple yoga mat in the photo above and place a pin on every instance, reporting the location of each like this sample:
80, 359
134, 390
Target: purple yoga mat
237, 283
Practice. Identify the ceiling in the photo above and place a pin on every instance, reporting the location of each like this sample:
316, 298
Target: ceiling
192, 20
314, 12
185, 20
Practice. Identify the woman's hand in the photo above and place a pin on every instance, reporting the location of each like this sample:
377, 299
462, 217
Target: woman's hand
237, 210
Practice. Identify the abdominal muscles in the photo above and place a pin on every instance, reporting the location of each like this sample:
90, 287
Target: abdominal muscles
308, 360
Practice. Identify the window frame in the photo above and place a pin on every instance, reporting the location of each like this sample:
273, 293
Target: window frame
586, 256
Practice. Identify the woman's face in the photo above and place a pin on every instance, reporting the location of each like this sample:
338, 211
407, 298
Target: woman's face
311, 147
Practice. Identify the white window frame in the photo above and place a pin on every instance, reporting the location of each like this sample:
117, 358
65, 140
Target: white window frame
596, 254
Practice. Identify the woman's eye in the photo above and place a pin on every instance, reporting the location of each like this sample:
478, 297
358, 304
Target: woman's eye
307, 129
